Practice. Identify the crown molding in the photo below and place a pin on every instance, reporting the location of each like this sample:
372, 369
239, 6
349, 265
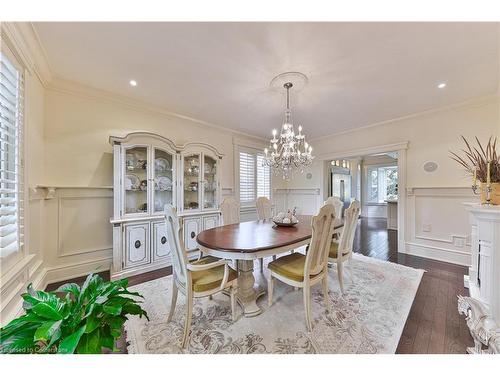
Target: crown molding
68, 87
23, 39
477, 101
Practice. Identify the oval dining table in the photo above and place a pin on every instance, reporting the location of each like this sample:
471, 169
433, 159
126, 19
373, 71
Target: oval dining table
247, 241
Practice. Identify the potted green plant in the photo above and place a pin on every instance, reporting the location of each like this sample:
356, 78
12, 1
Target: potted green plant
72, 319
483, 165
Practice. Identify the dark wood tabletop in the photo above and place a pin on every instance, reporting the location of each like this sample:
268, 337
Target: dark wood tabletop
252, 236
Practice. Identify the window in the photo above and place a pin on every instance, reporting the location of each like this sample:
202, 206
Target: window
381, 183
11, 163
255, 178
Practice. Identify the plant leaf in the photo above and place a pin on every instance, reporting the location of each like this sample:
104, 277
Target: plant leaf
45, 310
46, 330
90, 343
92, 323
112, 309
69, 344
71, 288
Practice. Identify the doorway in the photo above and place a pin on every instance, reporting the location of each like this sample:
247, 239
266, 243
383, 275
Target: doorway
375, 176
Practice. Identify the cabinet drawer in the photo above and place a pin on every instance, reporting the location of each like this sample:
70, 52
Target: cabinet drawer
161, 247
136, 250
192, 227
210, 222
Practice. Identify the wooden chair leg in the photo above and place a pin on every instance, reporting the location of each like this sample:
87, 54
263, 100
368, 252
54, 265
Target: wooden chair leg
261, 260
307, 306
189, 316
325, 292
233, 302
173, 301
270, 286
340, 273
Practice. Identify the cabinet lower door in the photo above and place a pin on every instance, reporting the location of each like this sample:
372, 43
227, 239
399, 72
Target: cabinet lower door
192, 227
210, 222
136, 251
161, 248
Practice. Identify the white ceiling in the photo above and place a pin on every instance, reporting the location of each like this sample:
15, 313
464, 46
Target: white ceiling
359, 73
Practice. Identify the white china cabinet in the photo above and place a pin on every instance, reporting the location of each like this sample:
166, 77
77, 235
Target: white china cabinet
150, 171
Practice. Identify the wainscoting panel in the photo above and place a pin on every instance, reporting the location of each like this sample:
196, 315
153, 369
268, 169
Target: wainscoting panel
307, 201
78, 235
80, 216
438, 225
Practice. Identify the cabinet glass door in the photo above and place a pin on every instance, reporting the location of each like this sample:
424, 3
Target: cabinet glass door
191, 170
209, 182
163, 178
136, 180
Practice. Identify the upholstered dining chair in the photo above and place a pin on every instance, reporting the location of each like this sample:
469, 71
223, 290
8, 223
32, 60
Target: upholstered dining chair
200, 278
304, 271
341, 251
339, 205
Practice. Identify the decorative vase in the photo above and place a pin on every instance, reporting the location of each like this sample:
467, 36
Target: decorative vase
494, 195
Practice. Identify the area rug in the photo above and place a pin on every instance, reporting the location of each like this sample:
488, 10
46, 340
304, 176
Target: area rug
368, 318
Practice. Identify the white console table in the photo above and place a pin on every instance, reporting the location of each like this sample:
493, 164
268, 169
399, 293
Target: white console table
482, 308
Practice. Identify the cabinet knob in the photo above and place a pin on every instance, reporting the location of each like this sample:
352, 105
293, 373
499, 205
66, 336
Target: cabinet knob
137, 244
193, 235
163, 240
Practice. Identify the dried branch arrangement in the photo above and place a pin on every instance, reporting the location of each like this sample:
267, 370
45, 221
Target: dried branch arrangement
476, 158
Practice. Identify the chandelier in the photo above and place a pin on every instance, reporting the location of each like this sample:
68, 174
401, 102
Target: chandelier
288, 151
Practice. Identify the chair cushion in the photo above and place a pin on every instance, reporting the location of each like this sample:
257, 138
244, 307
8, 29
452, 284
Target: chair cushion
334, 249
211, 278
290, 266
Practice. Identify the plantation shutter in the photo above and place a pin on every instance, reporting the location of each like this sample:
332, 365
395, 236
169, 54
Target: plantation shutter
263, 178
11, 162
247, 177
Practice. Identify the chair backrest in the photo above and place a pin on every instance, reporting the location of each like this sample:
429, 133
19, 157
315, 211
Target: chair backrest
322, 232
338, 204
263, 208
351, 216
230, 210
179, 256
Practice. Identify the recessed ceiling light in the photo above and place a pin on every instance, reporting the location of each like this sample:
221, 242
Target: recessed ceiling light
442, 85
133, 83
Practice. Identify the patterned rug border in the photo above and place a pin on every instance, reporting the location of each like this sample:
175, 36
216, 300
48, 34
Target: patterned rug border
132, 349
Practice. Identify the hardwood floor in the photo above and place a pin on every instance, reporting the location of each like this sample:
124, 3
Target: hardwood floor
433, 325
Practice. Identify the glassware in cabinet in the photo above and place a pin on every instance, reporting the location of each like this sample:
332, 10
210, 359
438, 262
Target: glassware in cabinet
191, 174
210, 183
135, 182
163, 179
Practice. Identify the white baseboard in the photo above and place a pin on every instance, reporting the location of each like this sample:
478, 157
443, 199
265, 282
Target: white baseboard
438, 253
66, 272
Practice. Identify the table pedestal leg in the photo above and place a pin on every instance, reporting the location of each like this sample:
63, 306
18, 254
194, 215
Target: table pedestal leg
248, 291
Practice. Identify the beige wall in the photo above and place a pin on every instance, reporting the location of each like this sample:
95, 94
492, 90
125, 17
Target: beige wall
78, 127
430, 135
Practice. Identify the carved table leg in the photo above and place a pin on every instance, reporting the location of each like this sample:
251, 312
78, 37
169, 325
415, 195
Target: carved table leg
248, 291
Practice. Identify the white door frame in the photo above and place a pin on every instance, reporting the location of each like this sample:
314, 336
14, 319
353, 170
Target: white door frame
400, 148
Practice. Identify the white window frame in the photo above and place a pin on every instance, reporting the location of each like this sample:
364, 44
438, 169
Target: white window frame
366, 179
20, 162
255, 152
